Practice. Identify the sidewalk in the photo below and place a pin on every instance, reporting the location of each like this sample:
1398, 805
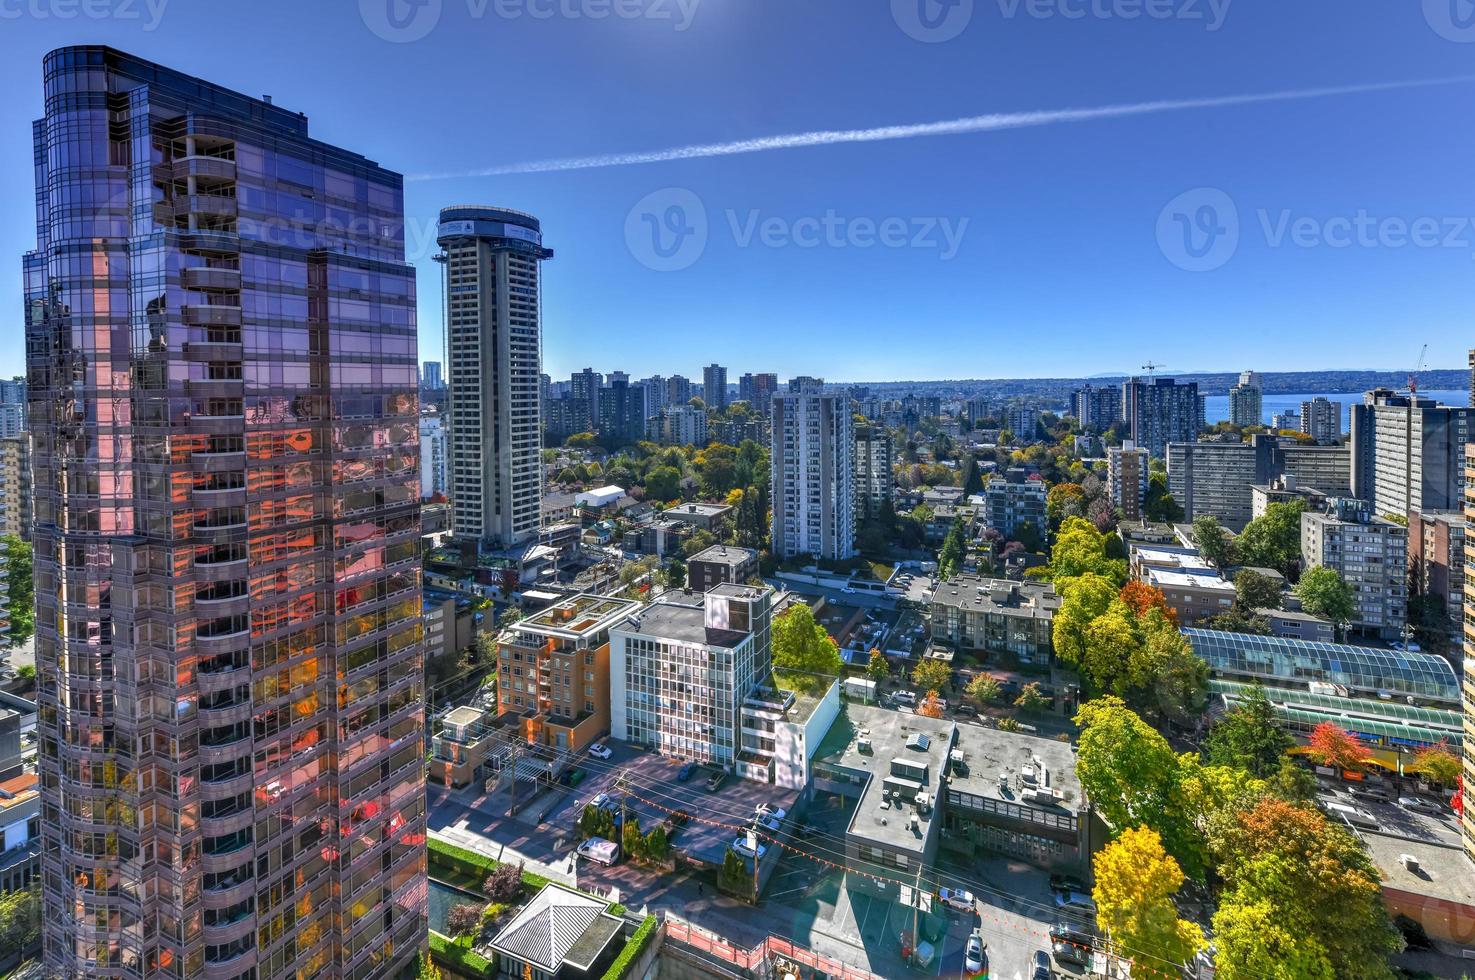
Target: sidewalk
458, 835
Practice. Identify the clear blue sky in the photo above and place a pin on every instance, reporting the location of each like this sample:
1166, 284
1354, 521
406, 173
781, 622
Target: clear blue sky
1059, 270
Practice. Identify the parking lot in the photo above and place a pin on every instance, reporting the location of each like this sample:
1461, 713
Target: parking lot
1394, 820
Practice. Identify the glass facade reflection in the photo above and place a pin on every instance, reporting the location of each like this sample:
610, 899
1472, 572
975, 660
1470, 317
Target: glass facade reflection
221, 356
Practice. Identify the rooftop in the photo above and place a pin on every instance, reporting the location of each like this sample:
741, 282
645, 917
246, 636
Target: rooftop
462, 716
695, 510
974, 593
721, 554
989, 753
558, 926
1443, 873
579, 616
676, 617
891, 736
1182, 579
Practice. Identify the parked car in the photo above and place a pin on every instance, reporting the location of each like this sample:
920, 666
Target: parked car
1370, 791
684, 773
600, 751
966, 710
764, 821
740, 845
1420, 805
1042, 965
1075, 902
1068, 883
975, 956
957, 898
602, 800
1354, 815
1071, 944
715, 780
905, 697
776, 812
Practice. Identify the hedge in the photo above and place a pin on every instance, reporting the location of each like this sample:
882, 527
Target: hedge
461, 957
471, 864
634, 947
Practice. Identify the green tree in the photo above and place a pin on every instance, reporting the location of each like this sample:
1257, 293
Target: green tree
1437, 764
631, 838
675, 573
20, 921
663, 483
1255, 591
1160, 506
20, 588
985, 689
1080, 549
1031, 698
1287, 864
425, 969
1323, 593
1134, 779
954, 548
1213, 541
801, 644
734, 877
1082, 600
1135, 883
1273, 540
657, 846
931, 675
1249, 736
878, 668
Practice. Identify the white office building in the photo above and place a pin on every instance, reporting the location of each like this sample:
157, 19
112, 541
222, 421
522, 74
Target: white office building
434, 469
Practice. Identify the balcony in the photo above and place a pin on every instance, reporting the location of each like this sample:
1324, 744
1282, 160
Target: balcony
210, 277
210, 242
214, 350
218, 168
226, 715
210, 316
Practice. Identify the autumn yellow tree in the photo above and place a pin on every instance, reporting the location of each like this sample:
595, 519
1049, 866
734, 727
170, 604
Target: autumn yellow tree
1135, 883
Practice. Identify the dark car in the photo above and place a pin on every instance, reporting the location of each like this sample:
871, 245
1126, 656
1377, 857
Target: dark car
1042, 965
1067, 883
1071, 944
966, 710
684, 773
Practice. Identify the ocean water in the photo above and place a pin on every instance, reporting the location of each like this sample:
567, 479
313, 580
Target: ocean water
1216, 407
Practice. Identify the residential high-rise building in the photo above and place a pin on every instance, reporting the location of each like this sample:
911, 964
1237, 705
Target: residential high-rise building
430, 376
1023, 421
873, 480
1217, 478
757, 390
584, 389
1321, 419
1126, 478
1287, 421
680, 670
1097, 409
434, 458
1013, 499
1370, 553
12, 407
493, 307
1436, 561
678, 425
1245, 401
714, 386
1408, 456
1160, 411
678, 390
228, 629
622, 410
657, 393
977, 409
15, 486
813, 484
1466, 810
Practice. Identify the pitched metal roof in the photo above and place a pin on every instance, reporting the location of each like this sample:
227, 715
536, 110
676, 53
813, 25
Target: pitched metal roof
552, 925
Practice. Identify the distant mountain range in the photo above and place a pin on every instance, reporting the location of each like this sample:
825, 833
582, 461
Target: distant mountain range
1214, 383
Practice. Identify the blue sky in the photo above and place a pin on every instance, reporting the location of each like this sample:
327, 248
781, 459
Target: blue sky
1059, 249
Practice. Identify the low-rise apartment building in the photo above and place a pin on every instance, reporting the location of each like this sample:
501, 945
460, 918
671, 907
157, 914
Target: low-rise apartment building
783, 725
1194, 589
721, 565
1012, 499
553, 671
997, 616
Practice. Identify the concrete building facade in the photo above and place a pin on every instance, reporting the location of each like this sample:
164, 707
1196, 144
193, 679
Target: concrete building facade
813, 473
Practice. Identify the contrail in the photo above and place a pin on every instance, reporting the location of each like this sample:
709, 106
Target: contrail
949, 127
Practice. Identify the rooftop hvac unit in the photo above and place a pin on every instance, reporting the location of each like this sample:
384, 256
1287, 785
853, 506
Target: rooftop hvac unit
863, 745
1409, 862
914, 823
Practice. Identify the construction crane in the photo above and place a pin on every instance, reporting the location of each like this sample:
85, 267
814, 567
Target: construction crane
1152, 369
1413, 378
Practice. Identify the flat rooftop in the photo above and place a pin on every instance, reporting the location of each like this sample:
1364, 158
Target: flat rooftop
1443, 872
1183, 579
973, 593
989, 753
695, 510
579, 616
462, 716
721, 554
890, 734
680, 622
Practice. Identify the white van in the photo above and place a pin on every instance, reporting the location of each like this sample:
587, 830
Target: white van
1355, 815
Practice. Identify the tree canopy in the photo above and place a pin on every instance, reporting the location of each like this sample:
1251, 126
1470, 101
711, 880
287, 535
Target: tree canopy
1323, 593
801, 644
1136, 880
1273, 540
1249, 737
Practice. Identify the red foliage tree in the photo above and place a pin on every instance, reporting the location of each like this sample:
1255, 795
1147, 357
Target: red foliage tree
1141, 598
1334, 746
